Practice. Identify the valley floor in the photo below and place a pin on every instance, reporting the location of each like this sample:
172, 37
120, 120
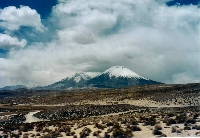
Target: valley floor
149, 111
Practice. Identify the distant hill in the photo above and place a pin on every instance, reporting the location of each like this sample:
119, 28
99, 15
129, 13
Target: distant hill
13, 87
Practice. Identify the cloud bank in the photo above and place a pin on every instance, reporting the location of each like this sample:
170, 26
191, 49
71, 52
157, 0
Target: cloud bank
156, 41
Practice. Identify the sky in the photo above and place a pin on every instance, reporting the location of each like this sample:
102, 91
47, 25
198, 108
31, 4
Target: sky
44, 41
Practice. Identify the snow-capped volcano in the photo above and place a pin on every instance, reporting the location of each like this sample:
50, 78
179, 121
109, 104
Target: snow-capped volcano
118, 77
120, 71
80, 76
78, 80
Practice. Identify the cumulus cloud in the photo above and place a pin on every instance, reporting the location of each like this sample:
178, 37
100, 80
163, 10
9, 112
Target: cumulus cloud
7, 42
13, 18
77, 34
97, 17
156, 41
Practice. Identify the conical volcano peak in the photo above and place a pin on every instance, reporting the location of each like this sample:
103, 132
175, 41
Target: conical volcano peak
120, 71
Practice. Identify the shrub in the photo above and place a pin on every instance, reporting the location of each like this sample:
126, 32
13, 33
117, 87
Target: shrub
178, 131
163, 135
110, 130
96, 133
170, 114
128, 133
157, 132
68, 134
151, 121
117, 133
197, 133
134, 122
154, 115
12, 135
100, 126
33, 135
135, 128
110, 124
85, 132
195, 116
193, 126
56, 134
120, 133
181, 118
197, 127
192, 121
170, 121
106, 135
74, 136
67, 129
158, 127
187, 128
72, 133
117, 126
47, 136
25, 135
173, 130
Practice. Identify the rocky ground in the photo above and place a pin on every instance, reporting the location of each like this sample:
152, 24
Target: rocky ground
145, 111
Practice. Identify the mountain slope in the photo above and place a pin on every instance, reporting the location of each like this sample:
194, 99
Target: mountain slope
80, 77
118, 77
76, 81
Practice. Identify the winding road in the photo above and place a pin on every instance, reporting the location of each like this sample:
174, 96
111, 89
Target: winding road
30, 118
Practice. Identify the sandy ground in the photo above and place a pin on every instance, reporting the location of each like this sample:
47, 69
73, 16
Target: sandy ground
30, 118
147, 102
146, 130
142, 102
145, 133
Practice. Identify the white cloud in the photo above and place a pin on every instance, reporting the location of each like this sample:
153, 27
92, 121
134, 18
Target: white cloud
7, 42
91, 14
156, 41
79, 34
12, 18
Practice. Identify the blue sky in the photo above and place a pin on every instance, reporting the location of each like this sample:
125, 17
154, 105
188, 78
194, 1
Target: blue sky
43, 7
182, 2
43, 41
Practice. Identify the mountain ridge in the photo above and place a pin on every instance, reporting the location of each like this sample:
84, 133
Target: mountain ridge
114, 77
76, 81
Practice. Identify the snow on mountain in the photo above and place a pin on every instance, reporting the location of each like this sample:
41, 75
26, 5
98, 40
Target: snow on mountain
78, 80
119, 77
120, 71
79, 76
